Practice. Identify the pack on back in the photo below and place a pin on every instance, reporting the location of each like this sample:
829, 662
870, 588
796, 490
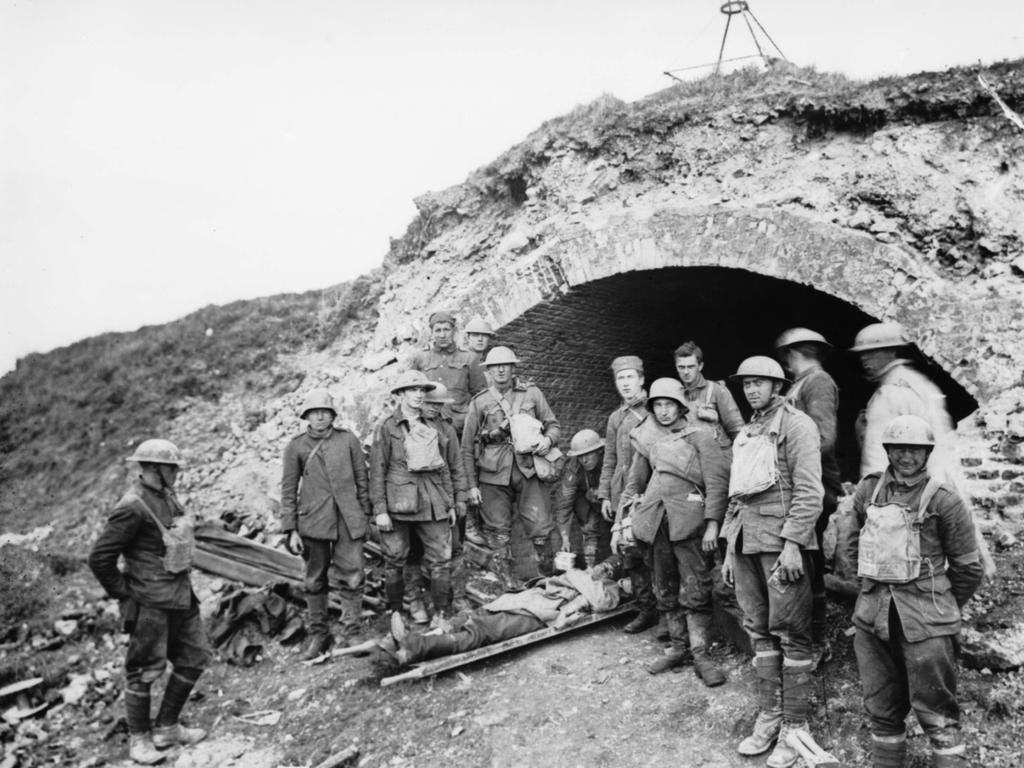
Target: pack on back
422, 451
890, 541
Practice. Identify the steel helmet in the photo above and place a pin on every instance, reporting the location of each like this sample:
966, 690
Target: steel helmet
317, 398
157, 451
880, 336
439, 394
666, 387
908, 430
501, 356
479, 325
761, 367
585, 441
410, 379
799, 335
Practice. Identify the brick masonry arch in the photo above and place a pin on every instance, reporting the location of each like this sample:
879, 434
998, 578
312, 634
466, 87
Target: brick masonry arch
947, 320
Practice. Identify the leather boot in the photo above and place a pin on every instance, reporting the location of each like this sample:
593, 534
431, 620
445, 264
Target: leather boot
473, 532
679, 652
947, 748
888, 751
589, 555
165, 736
946, 760
316, 613
661, 633
394, 589
441, 593
318, 640
501, 566
699, 626
142, 750
545, 558
351, 614
643, 620
768, 669
797, 681
784, 755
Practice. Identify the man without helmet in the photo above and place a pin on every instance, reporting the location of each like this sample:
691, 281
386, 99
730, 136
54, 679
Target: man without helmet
325, 510
920, 565
154, 534
445, 363
710, 405
775, 495
628, 373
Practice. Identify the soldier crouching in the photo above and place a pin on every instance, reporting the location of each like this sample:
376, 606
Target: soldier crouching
161, 613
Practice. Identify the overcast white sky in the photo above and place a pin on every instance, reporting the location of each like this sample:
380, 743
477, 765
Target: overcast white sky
156, 157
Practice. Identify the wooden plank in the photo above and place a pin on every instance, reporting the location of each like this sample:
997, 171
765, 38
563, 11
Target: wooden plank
436, 666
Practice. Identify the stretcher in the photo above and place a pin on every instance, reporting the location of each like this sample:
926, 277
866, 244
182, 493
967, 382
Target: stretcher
446, 663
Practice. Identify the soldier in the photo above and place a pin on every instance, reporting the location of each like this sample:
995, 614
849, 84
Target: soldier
903, 390
413, 492
628, 371
684, 484
709, 404
456, 368
479, 336
814, 392
325, 510
908, 615
577, 497
507, 426
154, 534
775, 495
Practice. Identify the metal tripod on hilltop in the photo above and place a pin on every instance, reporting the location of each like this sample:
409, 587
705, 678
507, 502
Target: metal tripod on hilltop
738, 8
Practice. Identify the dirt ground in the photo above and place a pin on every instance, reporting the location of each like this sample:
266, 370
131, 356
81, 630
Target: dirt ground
580, 700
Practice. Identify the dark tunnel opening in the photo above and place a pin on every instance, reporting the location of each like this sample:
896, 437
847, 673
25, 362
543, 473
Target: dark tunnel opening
567, 344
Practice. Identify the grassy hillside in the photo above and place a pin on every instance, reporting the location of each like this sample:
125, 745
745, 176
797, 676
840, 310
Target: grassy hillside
67, 414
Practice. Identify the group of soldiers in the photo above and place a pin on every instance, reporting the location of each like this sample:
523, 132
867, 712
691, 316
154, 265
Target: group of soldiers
679, 482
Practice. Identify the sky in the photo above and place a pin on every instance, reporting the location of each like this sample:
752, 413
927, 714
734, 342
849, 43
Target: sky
157, 157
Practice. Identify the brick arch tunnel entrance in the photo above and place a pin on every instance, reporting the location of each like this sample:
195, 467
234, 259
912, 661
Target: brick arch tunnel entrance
567, 343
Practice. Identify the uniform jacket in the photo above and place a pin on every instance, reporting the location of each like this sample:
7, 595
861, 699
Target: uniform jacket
460, 481
618, 449
687, 462
130, 531
405, 495
950, 570
314, 493
576, 483
903, 390
457, 369
491, 462
558, 600
788, 510
730, 420
815, 393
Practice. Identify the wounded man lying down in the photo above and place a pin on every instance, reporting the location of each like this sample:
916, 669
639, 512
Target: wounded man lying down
557, 601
